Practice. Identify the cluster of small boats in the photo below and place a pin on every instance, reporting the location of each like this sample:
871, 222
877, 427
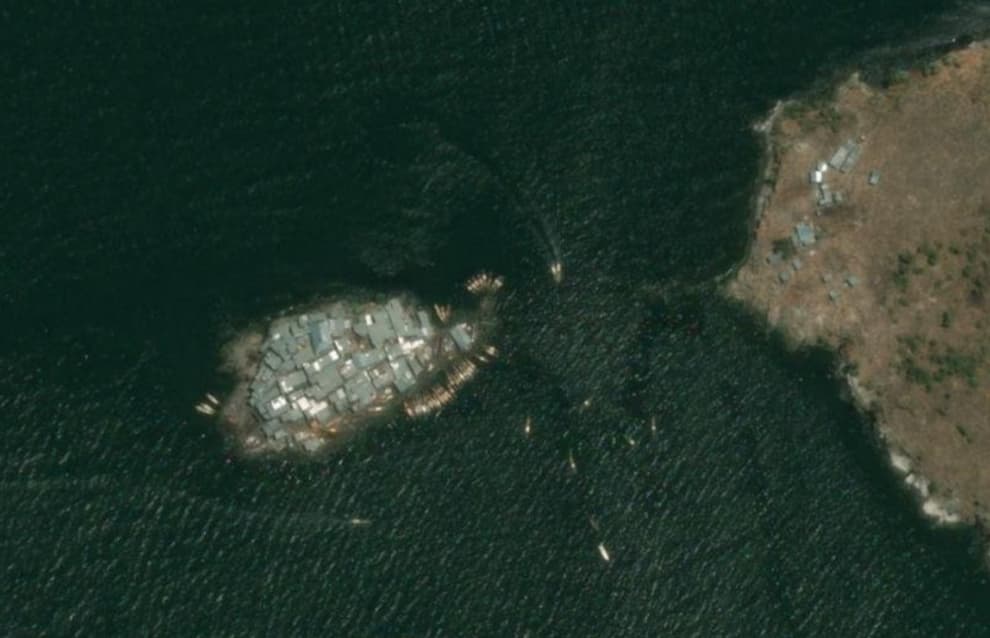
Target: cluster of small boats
484, 283
442, 394
209, 406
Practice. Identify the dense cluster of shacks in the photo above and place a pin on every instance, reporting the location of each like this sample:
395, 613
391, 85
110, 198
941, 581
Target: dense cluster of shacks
320, 368
462, 371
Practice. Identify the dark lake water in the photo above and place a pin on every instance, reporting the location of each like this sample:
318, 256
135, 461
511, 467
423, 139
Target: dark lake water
173, 173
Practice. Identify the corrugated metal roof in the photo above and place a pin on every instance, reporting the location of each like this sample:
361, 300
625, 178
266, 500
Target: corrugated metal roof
461, 337
404, 377
317, 357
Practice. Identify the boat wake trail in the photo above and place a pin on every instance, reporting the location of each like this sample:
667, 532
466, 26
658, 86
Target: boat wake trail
528, 215
548, 244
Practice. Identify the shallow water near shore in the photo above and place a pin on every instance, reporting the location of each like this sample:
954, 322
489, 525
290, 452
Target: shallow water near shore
183, 174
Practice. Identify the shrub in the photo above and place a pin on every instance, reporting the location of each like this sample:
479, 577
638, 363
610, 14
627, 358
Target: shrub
901, 281
954, 363
898, 76
916, 374
783, 246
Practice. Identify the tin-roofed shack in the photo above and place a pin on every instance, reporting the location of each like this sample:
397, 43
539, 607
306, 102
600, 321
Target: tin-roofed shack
315, 377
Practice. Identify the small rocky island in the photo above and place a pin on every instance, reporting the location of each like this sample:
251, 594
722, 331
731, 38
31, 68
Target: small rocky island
872, 238
315, 378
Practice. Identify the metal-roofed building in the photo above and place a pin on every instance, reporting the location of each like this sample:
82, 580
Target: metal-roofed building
369, 358
840, 155
339, 399
326, 361
402, 321
320, 367
394, 350
291, 381
851, 157
279, 329
360, 391
328, 379
324, 414
345, 345
382, 376
302, 356
284, 347
320, 337
297, 329
405, 379
414, 365
462, 337
265, 375
804, 234
271, 428
380, 329
425, 325
361, 327
267, 392
272, 360
278, 405
425, 356
339, 326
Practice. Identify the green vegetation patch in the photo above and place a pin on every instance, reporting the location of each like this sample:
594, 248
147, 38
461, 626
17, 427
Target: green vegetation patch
962, 432
784, 247
902, 274
954, 363
912, 342
894, 77
930, 252
936, 365
916, 373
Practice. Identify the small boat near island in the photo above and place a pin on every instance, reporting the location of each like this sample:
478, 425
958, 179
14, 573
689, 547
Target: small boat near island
205, 408
603, 552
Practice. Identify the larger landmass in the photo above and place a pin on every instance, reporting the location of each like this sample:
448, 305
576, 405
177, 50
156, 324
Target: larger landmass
872, 237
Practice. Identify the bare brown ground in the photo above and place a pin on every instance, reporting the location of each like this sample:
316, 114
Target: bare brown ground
914, 329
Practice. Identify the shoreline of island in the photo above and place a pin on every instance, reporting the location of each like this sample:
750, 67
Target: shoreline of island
311, 379
940, 508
